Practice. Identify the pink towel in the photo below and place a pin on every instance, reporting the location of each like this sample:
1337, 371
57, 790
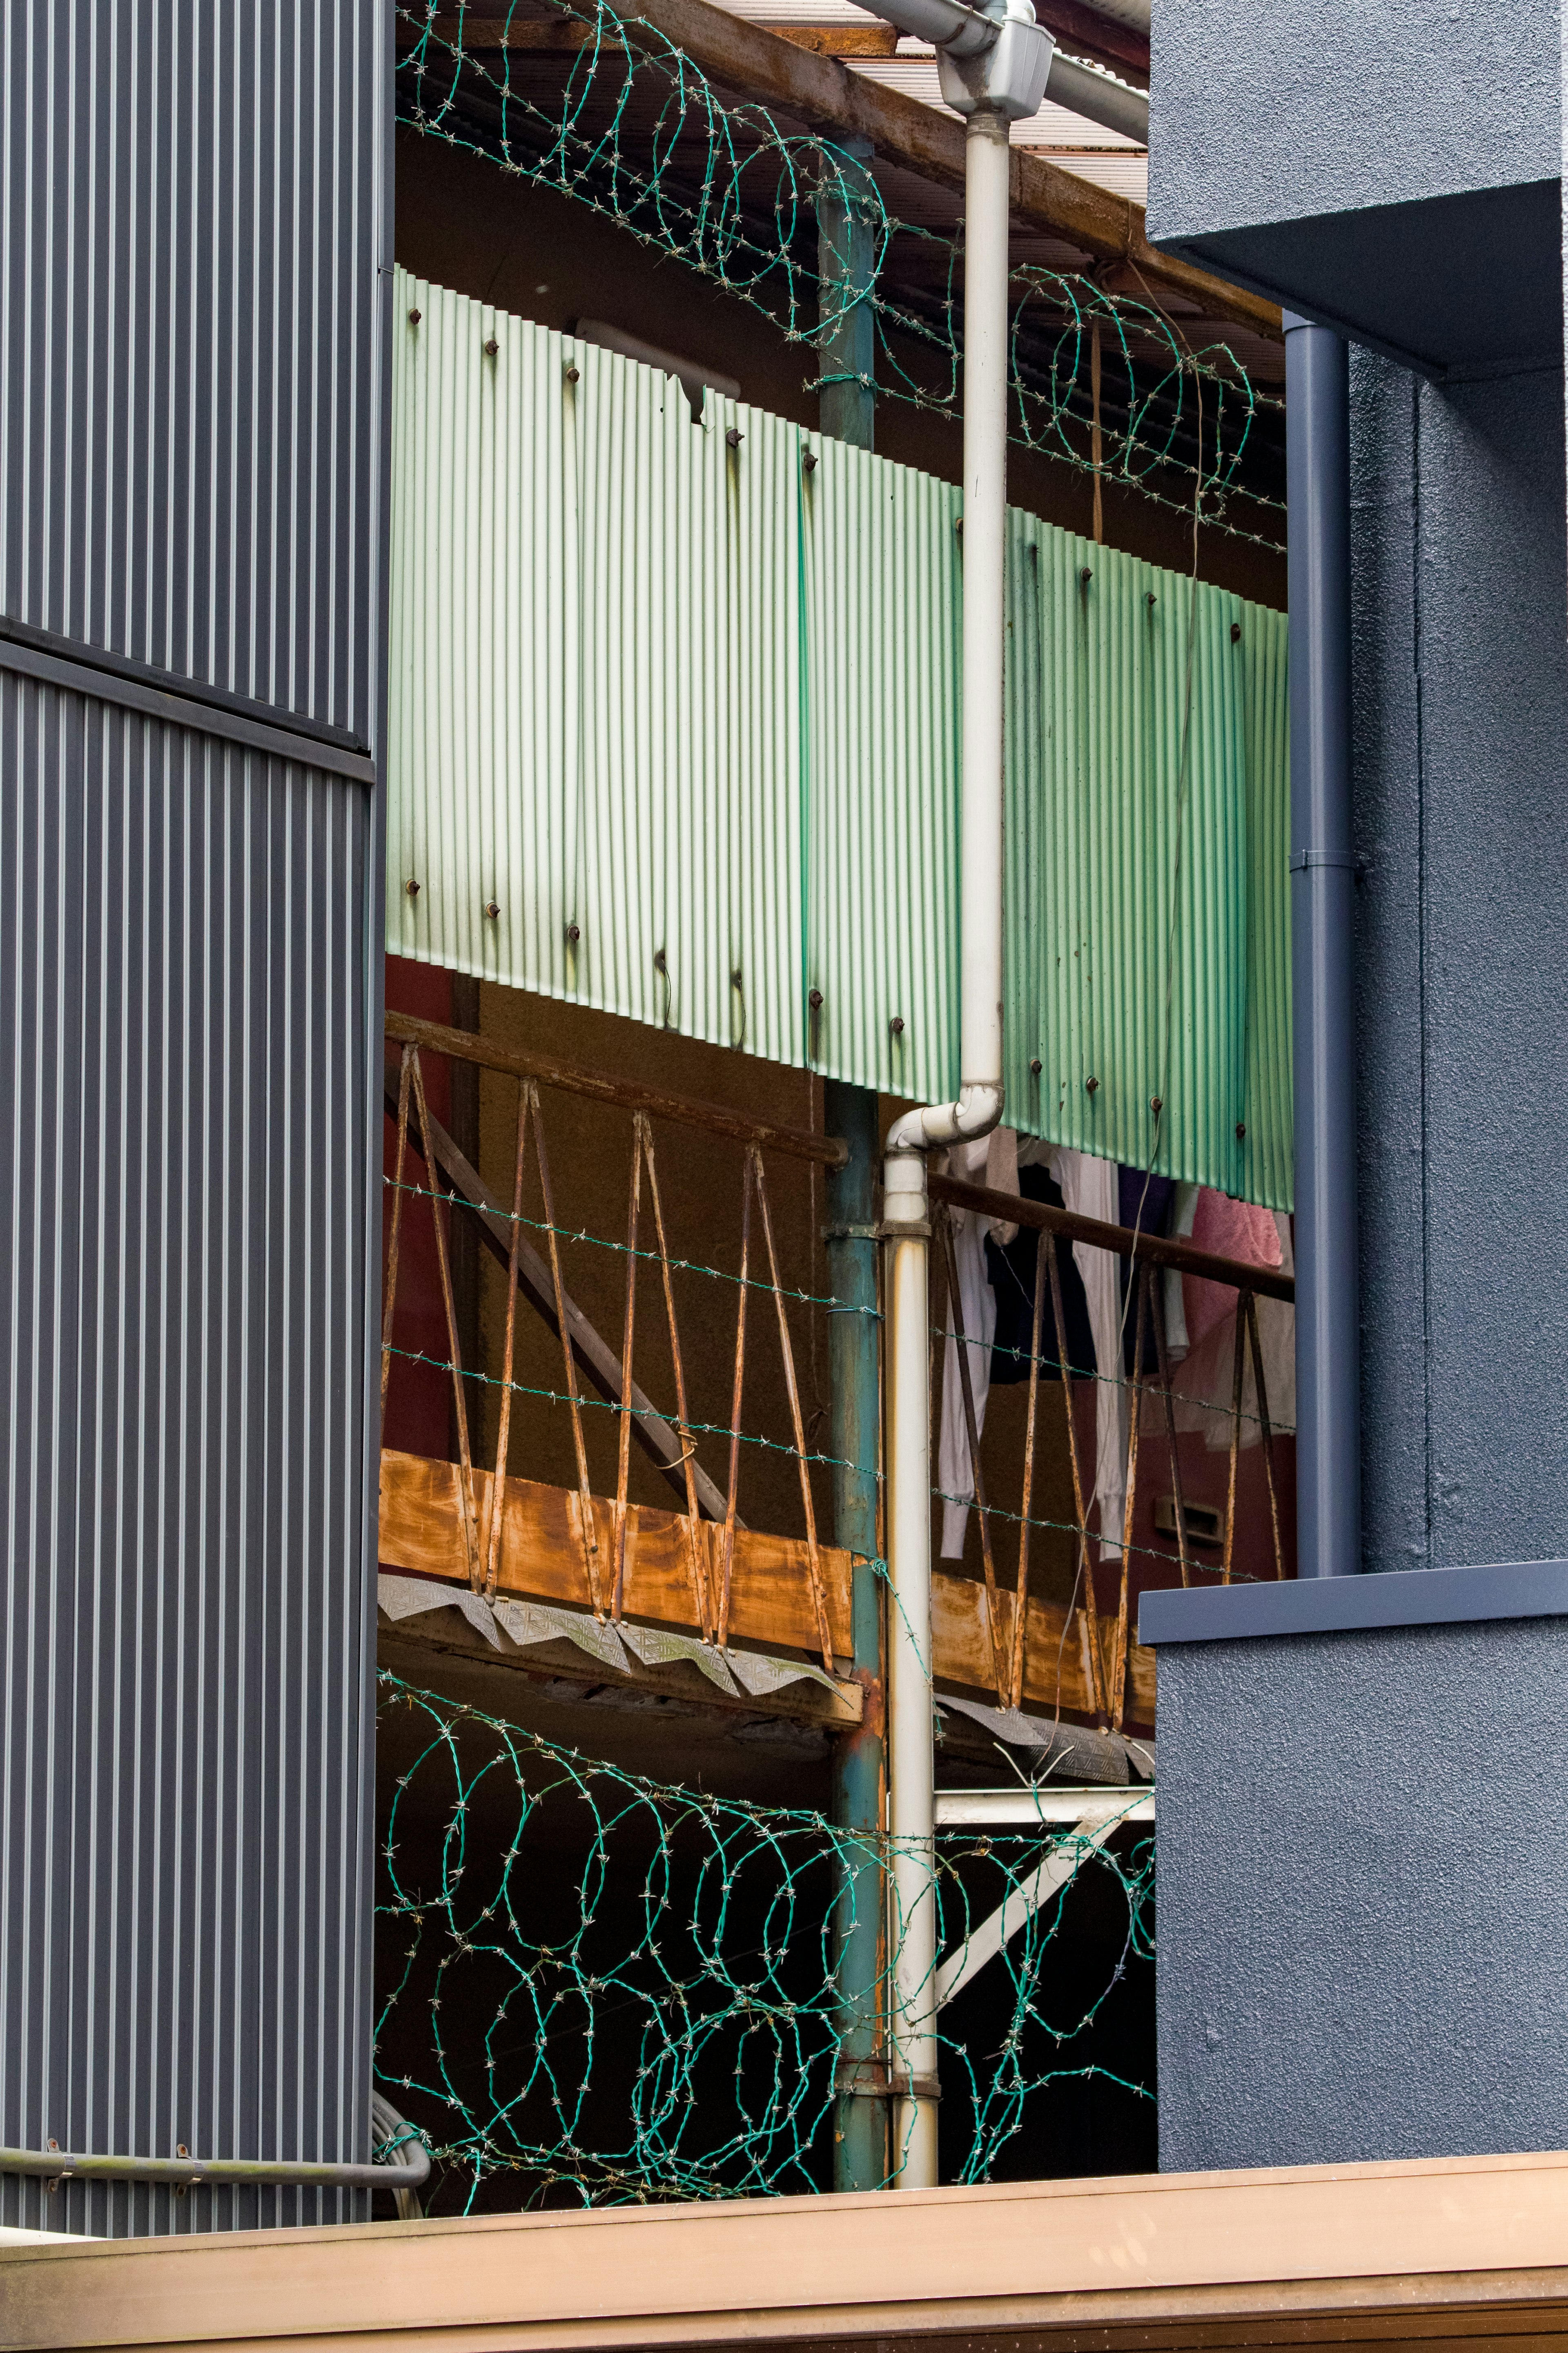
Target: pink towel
1231, 1230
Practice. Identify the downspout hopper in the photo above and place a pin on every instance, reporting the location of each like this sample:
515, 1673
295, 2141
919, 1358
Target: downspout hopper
1323, 884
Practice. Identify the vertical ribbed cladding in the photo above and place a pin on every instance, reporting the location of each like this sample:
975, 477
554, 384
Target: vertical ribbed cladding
189, 436
1268, 1149
702, 703
482, 766
1147, 924
183, 1304
192, 406
690, 760
883, 605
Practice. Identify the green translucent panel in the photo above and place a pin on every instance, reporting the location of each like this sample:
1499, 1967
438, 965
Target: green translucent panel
685, 709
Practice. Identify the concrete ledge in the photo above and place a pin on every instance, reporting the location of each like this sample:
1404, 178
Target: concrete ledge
1389, 2256
1342, 1605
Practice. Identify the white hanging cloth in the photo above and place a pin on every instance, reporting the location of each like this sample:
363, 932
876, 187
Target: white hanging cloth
992, 1160
1090, 1186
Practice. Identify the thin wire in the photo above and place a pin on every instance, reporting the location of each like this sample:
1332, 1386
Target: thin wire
601, 1989
830, 1300
634, 115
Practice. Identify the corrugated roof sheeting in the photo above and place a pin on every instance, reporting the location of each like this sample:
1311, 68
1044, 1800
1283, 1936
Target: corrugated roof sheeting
696, 700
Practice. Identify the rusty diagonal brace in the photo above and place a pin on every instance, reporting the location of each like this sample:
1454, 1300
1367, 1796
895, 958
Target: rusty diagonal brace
599, 1361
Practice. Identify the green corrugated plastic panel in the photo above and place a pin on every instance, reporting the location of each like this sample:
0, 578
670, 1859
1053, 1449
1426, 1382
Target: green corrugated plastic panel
687, 712
483, 703
1147, 919
882, 691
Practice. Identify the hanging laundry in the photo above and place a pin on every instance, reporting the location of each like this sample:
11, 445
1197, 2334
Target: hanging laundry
1202, 1383
992, 1161
1012, 1267
1183, 1209
1144, 1205
1092, 1188
1230, 1230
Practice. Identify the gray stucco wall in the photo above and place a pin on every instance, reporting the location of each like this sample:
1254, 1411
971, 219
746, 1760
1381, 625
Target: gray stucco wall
1461, 790
1363, 1879
1303, 108
1362, 1892
1391, 170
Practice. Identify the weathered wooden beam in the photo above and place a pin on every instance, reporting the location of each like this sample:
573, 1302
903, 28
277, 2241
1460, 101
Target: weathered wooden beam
598, 1359
541, 1559
535, 36
870, 40
756, 63
541, 1553
603, 1086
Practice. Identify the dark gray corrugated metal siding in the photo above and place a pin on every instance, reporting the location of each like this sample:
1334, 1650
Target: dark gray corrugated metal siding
191, 415
190, 407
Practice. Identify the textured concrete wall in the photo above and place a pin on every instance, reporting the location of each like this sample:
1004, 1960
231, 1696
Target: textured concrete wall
1363, 1884
1363, 1897
1321, 106
1461, 720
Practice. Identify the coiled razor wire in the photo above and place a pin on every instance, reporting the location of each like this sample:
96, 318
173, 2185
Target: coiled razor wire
601, 1989
637, 132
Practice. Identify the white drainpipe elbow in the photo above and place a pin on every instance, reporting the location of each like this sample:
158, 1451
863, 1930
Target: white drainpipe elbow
977, 1111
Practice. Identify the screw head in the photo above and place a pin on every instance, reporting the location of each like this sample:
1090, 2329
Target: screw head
1034, 1067
1156, 1105
737, 980
809, 461
1240, 1130
491, 348
492, 908
814, 1000
734, 437
412, 888
574, 932
573, 375
1235, 633
1090, 1085
1150, 598
180, 2149
414, 318
1084, 577
897, 1025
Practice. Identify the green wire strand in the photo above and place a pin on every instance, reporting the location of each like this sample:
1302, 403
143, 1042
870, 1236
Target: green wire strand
750, 225
642, 1976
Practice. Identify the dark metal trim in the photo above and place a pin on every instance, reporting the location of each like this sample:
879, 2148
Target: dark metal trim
1348, 1605
83, 669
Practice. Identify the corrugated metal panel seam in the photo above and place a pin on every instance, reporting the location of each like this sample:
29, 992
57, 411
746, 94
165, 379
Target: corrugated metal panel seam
707, 771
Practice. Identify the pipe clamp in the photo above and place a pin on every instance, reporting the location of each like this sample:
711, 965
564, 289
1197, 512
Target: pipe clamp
873, 2079
1303, 860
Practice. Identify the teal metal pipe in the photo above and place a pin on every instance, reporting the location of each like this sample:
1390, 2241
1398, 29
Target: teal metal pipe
847, 212
847, 215
859, 1765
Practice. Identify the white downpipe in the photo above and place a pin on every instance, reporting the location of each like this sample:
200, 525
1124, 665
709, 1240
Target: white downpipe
905, 1208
